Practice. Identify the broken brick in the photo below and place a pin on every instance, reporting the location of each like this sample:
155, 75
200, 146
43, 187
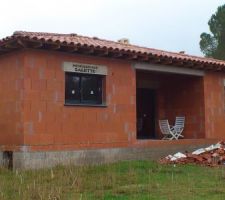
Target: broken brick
213, 155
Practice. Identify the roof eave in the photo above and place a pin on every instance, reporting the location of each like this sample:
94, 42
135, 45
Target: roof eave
18, 42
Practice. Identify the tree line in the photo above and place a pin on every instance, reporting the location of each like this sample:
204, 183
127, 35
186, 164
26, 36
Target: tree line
213, 44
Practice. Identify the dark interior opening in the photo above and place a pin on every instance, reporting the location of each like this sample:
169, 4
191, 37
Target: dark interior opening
8, 159
170, 98
145, 113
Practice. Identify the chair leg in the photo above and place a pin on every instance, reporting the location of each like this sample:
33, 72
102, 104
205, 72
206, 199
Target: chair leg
174, 137
173, 134
167, 137
178, 135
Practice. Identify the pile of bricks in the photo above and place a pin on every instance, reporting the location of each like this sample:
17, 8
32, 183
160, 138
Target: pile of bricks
213, 155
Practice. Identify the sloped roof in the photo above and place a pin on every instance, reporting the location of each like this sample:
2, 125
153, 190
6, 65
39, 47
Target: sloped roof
74, 43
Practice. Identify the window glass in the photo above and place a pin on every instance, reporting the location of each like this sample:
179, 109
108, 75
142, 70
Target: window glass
83, 89
72, 88
90, 90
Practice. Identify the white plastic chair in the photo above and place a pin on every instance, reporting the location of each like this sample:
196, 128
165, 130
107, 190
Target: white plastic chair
179, 126
168, 132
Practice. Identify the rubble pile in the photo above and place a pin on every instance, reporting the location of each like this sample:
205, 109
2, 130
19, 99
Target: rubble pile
213, 155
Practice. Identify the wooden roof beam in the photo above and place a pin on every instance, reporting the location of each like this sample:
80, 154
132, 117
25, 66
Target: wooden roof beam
21, 43
91, 51
167, 61
199, 66
132, 56
117, 54
34, 44
209, 67
178, 62
189, 64
102, 52
69, 49
87, 50
52, 46
156, 60
219, 68
12, 45
144, 58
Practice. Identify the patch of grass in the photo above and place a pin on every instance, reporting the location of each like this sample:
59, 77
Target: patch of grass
122, 180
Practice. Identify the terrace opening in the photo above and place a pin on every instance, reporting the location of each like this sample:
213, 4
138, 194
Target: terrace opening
161, 95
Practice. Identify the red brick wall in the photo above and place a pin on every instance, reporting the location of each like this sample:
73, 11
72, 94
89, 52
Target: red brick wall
48, 122
184, 96
11, 94
214, 105
32, 110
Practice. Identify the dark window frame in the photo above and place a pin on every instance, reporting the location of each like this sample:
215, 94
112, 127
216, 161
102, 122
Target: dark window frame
83, 85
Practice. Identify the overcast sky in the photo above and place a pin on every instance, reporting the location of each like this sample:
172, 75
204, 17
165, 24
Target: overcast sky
172, 25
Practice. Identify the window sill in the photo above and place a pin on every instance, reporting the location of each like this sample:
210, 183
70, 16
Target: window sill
86, 105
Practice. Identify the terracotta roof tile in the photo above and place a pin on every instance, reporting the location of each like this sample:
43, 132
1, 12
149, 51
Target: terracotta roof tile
94, 42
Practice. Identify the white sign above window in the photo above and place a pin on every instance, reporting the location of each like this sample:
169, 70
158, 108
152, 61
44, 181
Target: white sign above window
84, 68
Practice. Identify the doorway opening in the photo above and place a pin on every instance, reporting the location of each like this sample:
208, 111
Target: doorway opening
145, 113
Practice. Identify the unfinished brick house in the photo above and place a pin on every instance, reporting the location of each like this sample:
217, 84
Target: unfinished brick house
68, 98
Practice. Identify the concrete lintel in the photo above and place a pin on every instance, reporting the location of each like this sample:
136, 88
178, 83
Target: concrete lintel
168, 69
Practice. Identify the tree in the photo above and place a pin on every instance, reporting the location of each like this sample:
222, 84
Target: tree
213, 45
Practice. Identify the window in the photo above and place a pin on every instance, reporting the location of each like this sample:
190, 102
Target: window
84, 89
